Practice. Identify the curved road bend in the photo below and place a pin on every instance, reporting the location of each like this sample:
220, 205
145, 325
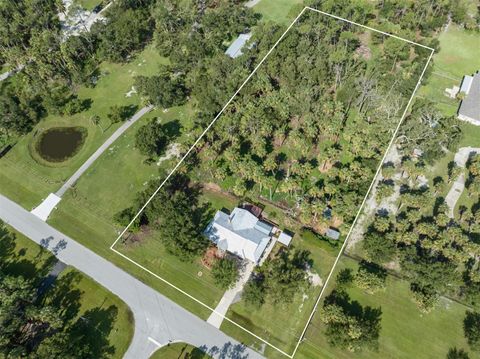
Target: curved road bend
118, 132
158, 320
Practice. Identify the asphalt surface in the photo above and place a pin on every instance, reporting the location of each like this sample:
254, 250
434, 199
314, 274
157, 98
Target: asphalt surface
158, 320
125, 126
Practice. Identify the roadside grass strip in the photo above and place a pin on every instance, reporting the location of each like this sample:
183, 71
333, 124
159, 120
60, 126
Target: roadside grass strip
188, 152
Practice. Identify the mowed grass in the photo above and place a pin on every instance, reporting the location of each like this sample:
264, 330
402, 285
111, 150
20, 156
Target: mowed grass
88, 4
26, 181
111, 319
179, 351
458, 56
405, 331
281, 324
281, 11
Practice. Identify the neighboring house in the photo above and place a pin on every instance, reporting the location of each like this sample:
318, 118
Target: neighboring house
240, 233
235, 49
469, 109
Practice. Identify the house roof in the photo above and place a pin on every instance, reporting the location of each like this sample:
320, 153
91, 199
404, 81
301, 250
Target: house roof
240, 233
470, 106
466, 84
235, 49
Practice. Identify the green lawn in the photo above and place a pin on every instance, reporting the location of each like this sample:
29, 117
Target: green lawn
109, 318
281, 11
179, 351
89, 4
456, 57
405, 331
27, 181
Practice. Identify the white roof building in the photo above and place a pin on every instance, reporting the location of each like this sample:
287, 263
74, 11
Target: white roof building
240, 233
235, 49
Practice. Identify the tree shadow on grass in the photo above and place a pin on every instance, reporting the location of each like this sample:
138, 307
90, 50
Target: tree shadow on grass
93, 328
64, 297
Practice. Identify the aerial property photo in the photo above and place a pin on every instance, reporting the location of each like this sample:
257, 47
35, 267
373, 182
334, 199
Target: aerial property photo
240, 179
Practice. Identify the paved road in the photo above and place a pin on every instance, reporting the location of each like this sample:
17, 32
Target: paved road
71, 181
158, 320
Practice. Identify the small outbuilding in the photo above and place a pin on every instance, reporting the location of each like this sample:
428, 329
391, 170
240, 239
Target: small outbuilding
333, 233
235, 49
284, 239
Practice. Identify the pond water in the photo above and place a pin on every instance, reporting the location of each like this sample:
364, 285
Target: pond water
60, 143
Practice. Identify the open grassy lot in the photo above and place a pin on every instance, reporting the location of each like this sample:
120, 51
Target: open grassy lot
27, 181
109, 320
457, 57
281, 11
179, 351
405, 333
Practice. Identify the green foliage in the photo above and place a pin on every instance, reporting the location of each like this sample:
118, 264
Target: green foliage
471, 328
125, 31
349, 325
286, 275
151, 138
18, 113
427, 130
370, 277
455, 353
225, 272
119, 113
379, 247
254, 292
163, 90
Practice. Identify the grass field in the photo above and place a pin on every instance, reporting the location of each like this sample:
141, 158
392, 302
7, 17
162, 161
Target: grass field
457, 57
405, 331
110, 320
281, 11
26, 181
179, 351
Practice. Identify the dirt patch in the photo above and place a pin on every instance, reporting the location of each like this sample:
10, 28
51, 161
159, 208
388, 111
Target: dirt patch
210, 256
315, 279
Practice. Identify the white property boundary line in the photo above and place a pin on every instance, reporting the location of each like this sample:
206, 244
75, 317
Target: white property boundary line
212, 123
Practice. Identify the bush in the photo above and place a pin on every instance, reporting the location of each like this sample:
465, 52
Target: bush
225, 273
370, 277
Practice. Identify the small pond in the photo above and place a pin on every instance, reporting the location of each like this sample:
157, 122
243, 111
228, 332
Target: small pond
57, 144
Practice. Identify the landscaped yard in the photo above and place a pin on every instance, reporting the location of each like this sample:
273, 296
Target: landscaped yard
405, 331
27, 181
109, 321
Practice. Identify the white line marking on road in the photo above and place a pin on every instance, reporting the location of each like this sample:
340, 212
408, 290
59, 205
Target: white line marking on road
155, 342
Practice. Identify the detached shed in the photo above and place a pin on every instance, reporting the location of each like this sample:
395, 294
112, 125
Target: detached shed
235, 49
333, 233
285, 239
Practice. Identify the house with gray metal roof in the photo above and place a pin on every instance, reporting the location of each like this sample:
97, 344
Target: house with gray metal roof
235, 49
469, 109
240, 233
